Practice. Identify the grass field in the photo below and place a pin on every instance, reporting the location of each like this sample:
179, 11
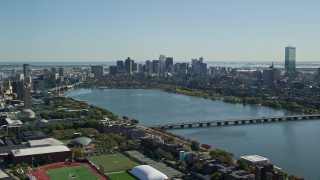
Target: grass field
121, 176
113, 162
81, 172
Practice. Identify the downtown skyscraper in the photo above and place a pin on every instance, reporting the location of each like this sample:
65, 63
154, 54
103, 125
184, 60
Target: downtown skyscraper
290, 62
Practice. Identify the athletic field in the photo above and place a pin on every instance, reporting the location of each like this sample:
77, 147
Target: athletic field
113, 162
67, 171
73, 172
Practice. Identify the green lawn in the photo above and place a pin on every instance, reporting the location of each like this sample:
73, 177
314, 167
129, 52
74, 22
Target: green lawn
121, 176
113, 162
81, 172
66, 141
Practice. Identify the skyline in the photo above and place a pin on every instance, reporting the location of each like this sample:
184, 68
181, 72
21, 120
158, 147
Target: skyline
97, 31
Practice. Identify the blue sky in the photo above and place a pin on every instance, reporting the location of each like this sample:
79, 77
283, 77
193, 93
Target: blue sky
102, 30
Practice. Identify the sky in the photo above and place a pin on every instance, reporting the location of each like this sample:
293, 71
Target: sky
105, 30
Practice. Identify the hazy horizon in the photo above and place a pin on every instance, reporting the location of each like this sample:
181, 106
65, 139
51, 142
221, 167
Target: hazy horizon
231, 30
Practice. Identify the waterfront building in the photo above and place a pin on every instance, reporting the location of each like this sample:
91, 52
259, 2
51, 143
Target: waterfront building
128, 65
155, 67
134, 67
26, 70
149, 67
98, 71
255, 159
290, 62
268, 172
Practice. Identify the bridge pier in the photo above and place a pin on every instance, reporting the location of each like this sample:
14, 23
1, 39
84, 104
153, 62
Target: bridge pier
182, 126
200, 125
265, 120
243, 122
310, 117
251, 121
226, 123
218, 123
208, 124
190, 125
289, 118
236, 122
273, 120
304, 117
295, 118
279, 119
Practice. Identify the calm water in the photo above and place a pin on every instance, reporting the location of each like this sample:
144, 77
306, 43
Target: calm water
293, 146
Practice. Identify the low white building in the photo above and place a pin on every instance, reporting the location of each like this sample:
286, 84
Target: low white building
255, 159
146, 172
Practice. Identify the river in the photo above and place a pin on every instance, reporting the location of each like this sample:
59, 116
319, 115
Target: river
294, 146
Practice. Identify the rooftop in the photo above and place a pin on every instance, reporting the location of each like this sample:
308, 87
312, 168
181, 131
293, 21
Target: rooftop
45, 142
254, 158
39, 150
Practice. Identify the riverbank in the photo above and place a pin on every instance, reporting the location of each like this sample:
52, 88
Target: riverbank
212, 95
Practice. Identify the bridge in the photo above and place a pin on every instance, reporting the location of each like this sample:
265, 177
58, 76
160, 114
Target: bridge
236, 121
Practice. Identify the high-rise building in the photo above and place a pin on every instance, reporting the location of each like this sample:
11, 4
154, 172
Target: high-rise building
26, 70
155, 67
169, 64
128, 65
149, 67
162, 63
290, 62
271, 74
113, 70
98, 71
27, 95
120, 66
62, 71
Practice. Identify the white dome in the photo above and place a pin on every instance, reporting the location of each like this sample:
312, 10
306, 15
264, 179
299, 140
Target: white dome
146, 172
44, 121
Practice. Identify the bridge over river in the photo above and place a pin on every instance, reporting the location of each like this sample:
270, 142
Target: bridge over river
236, 121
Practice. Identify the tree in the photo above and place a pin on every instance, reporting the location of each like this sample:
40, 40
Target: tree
77, 152
242, 164
216, 176
206, 146
134, 121
197, 167
195, 146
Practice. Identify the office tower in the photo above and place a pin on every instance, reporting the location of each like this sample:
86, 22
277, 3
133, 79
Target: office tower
54, 70
169, 64
97, 71
162, 63
201, 59
128, 65
62, 71
290, 62
271, 74
155, 66
26, 70
113, 70
134, 67
27, 95
149, 67
120, 66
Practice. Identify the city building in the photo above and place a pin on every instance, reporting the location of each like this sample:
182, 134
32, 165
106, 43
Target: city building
38, 155
62, 71
128, 65
271, 74
162, 63
26, 70
120, 66
255, 159
290, 62
268, 172
97, 71
113, 70
27, 95
169, 64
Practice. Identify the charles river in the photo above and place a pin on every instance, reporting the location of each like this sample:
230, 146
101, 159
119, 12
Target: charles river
294, 146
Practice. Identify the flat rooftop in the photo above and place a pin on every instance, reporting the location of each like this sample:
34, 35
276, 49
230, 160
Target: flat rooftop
39, 150
254, 158
45, 142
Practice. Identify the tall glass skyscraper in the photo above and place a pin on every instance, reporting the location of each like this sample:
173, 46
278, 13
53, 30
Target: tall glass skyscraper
290, 62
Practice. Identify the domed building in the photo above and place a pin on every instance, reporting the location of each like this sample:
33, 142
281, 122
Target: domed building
82, 142
43, 123
146, 172
27, 114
